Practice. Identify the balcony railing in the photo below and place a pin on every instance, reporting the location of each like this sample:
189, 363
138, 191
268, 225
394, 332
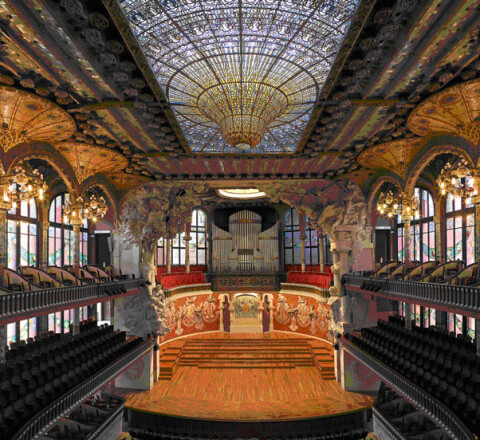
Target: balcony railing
305, 288
442, 296
15, 305
428, 404
386, 426
50, 414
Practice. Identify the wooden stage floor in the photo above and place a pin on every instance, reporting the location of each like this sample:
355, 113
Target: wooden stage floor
247, 394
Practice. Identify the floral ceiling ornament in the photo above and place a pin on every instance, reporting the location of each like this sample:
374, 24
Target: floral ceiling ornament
390, 205
27, 117
22, 184
396, 156
87, 160
458, 179
90, 207
241, 76
455, 110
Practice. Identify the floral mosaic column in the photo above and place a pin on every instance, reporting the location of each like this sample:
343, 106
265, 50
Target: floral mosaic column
187, 238
406, 239
438, 239
76, 248
321, 252
169, 255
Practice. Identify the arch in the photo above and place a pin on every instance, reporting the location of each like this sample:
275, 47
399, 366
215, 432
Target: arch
431, 150
100, 181
376, 187
44, 151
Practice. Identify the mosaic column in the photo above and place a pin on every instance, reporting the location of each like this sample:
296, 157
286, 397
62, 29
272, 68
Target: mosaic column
169, 255
76, 248
187, 237
438, 239
321, 252
44, 205
476, 202
406, 239
3, 237
477, 335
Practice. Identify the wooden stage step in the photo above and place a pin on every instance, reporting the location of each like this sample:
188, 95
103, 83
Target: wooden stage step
245, 353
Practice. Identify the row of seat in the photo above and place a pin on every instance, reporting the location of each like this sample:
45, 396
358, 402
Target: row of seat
411, 423
37, 373
441, 364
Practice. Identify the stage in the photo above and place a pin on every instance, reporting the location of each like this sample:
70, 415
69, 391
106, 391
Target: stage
235, 388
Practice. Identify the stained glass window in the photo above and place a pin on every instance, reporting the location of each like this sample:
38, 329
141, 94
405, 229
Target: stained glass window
22, 235
198, 243
214, 58
422, 230
11, 333
460, 230
292, 243
61, 237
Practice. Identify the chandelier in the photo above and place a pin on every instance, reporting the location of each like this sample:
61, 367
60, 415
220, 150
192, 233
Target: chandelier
22, 184
240, 75
77, 211
390, 205
457, 179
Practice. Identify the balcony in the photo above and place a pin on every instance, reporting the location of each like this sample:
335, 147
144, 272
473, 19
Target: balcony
22, 305
463, 300
43, 420
428, 404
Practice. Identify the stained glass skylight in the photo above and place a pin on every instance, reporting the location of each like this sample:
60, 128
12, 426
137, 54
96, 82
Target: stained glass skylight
241, 75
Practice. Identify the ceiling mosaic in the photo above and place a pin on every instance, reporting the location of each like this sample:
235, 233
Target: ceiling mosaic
241, 76
455, 110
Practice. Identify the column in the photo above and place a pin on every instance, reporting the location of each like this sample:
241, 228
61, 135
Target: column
438, 239
476, 202
169, 255
406, 239
3, 237
302, 237
221, 309
477, 335
188, 227
321, 252
3, 342
408, 315
43, 251
76, 248
76, 321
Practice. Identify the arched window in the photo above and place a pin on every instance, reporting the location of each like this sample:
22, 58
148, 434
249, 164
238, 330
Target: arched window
422, 230
293, 253
60, 236
197, 245
460, 229
22, 235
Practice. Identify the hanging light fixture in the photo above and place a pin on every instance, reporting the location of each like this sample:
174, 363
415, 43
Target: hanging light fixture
390, 205
22, 184
457, 179
77, 211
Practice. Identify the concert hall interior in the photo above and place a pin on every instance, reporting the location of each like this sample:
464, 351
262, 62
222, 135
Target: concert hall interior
239, 219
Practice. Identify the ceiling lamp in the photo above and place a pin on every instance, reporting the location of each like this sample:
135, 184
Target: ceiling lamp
87, 160
22, 184
241, 193
390, 205
395, 156
457, 179
241, 75
27, 117
455, 110
77, 211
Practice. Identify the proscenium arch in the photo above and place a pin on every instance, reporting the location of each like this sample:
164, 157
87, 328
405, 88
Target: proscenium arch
428, 153
101, 182
43, 151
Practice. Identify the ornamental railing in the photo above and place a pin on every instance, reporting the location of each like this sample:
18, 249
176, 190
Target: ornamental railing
428, 404
20, 303
386, 425
43, 420
304, 288
461, 298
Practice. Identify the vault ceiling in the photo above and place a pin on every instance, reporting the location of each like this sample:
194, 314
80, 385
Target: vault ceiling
84, 56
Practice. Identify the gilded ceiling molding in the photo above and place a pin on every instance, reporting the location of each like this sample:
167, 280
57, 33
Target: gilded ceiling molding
395, 156
455, 110
27, 117
88, 160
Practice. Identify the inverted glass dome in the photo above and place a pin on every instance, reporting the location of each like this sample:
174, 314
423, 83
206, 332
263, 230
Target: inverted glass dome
241, 76
241, 193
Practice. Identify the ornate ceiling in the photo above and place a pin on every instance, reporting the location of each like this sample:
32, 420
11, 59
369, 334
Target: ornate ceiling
251, 63
84, 59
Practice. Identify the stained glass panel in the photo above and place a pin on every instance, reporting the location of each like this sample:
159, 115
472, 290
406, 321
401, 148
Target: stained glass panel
199, 51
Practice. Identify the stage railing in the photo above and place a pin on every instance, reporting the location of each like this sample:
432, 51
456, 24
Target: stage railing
51, 413
460, 298
386, 425
20, 303
428, 404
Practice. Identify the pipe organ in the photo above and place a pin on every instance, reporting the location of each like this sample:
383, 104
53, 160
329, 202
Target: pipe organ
244, 248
